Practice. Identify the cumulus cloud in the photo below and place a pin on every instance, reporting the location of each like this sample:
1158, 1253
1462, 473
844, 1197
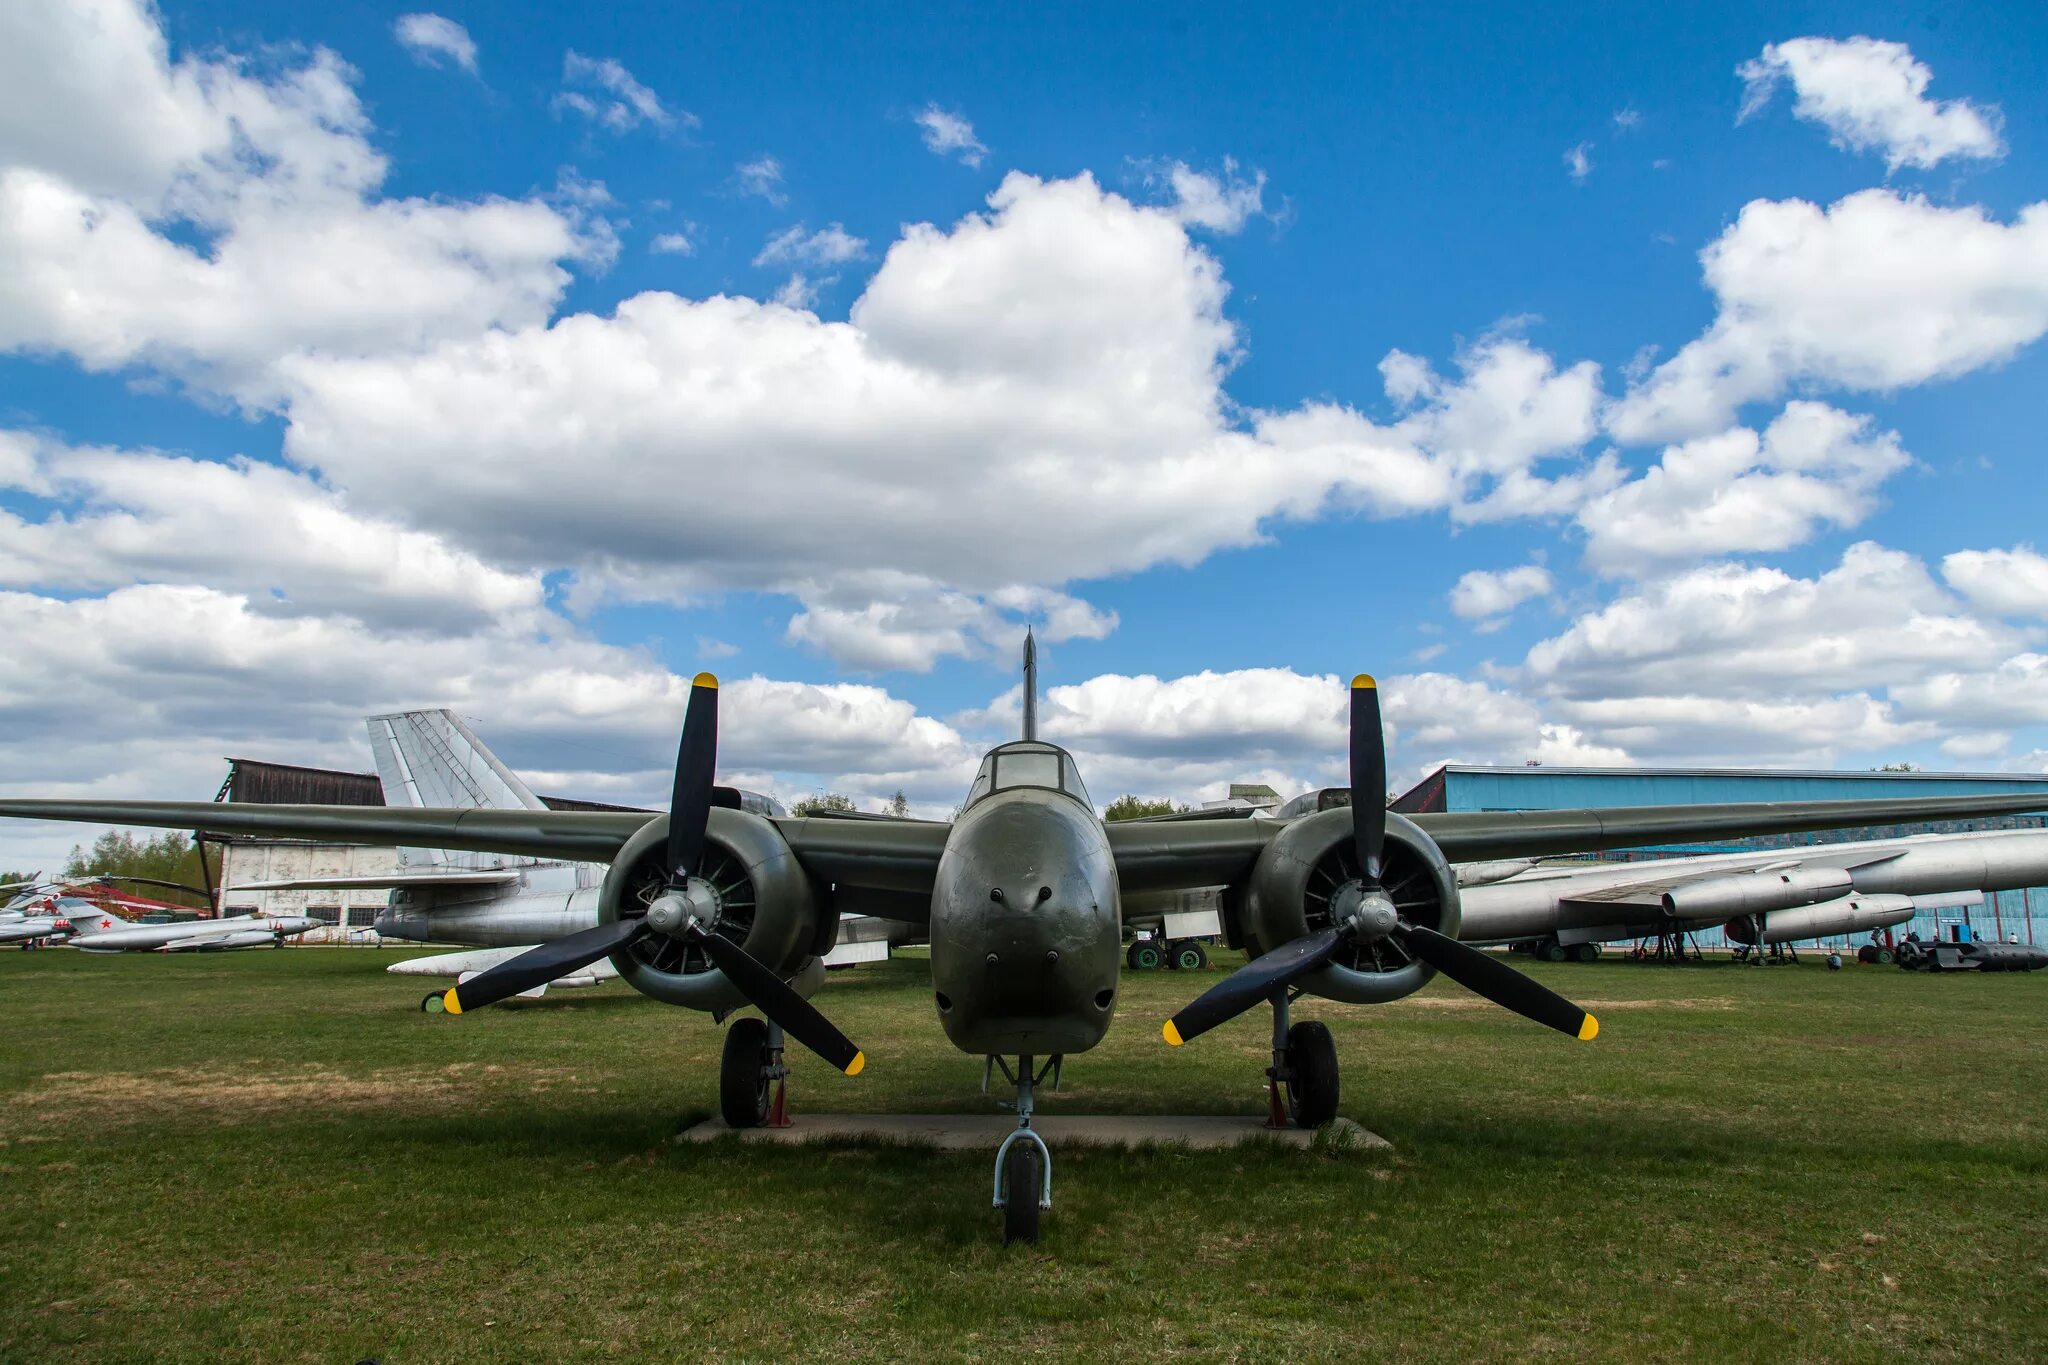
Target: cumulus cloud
1871, 96
2009, 582
432, 40
1876, 292
829, 245
1739, 492
672, 244
1482, 593
762, 178
1578, 162
949, 134
207, 222
1221, 203
605, 93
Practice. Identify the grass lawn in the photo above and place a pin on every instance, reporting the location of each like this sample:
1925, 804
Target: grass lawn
273, 1156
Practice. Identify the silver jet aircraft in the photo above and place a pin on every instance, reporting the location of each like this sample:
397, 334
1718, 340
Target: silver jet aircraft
95, 930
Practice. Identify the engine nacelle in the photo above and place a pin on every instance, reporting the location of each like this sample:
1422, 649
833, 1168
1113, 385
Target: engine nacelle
1849, 915
767, 905
1311, 857
1757, 893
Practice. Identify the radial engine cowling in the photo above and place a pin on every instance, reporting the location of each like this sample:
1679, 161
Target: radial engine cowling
1290, 890
766, 904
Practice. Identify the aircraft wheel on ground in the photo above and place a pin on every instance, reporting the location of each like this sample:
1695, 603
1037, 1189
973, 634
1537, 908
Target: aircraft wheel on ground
1146, 957
1188, 956
1131, 957
1550, 950
743, 1074
1585, 952
435, 1003
1201, 954
1885, 957
1023, 1179
1312, 1067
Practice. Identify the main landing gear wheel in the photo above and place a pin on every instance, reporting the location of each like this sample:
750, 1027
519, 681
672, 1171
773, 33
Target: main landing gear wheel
435, 1003
1311, 1074
1189, 957
1550, 950
1146, 957
1023, 1177
743, 1074
1585, 952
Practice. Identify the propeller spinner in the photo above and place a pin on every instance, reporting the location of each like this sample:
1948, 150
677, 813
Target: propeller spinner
686, 909
1364, 914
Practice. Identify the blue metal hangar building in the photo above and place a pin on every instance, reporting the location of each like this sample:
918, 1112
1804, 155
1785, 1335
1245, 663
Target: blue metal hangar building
1463, 787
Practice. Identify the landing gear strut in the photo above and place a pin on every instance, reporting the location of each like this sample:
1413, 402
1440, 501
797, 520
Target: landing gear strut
1023, 1186
1305, 1064
752, 1080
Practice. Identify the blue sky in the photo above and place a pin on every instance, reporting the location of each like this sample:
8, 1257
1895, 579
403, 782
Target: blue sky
1384, 299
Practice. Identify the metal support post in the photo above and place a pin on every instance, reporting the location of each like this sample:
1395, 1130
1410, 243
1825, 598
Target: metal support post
1276, 1112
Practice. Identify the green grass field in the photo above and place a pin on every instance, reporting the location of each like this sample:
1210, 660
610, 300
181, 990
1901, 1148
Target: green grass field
273, 1156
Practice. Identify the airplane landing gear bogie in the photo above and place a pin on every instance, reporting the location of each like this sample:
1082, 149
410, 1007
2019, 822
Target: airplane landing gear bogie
751, 1076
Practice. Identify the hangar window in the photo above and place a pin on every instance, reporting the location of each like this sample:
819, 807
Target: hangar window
361, 916
326, 914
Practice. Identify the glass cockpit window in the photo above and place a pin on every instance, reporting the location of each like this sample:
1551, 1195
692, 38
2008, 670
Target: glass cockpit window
1027, 769
983, 781
1070, 778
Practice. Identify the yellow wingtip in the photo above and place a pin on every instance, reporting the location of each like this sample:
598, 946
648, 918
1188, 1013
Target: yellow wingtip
709, 680
1364, 680
1589, 1030
860, 1059
451, 1002
1171, 1033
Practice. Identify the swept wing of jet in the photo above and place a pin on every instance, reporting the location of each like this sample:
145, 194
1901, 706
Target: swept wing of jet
713, 907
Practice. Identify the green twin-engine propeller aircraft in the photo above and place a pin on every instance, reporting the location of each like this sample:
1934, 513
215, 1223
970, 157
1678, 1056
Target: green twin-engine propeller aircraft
715, 907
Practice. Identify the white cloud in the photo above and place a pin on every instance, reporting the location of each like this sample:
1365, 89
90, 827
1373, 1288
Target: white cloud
799, 292
620, 103
1879, 291
432, 39
762, 178
1578, 162
276, 177
1737, 492
2009, 582
1220, 203
829, 245
1481, 593
1871, 96
948, 134
290, 545
1627, 119
672, 244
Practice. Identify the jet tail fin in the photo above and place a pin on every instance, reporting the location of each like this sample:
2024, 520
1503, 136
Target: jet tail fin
432, 759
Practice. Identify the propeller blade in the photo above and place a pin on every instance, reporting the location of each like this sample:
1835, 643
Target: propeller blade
771, 995
689, 807
538, 966
1368, 777
1250, 984
1484, 974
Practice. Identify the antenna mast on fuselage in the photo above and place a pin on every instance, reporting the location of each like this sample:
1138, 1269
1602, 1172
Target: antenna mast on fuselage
1030, 686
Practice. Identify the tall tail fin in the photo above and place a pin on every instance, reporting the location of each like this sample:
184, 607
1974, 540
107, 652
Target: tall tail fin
430, 758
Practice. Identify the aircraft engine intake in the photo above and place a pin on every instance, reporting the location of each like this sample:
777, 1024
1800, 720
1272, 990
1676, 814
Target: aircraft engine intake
766, 905
1849, 915
1308, 861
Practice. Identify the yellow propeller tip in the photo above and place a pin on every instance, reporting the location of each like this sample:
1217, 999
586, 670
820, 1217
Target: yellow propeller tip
860, 1059
709, 680
1589, 1030
1171, 1034
451, 1002
1364, 680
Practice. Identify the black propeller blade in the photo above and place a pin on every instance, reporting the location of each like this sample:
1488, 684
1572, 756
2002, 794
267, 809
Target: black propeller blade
689, 811
1368, 778
1477, 972
538, 966
1484, 974
770, 994
1251, 983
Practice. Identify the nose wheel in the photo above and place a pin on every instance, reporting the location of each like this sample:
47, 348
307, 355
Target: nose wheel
1023, 1184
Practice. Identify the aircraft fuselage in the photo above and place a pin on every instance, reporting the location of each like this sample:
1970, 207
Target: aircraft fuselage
1026, 929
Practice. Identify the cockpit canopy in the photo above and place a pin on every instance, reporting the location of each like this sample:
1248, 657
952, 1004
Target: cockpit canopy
1028, 763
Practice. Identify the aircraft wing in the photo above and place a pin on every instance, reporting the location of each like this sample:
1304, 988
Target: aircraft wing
397, 881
